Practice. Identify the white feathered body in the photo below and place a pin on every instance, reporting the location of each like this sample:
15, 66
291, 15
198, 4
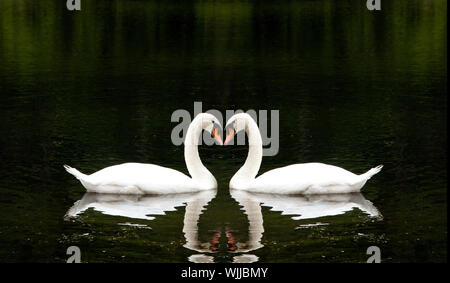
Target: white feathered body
306, 178
138, 178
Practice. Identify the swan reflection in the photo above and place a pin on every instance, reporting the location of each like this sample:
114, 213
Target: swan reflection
299, 207
135, 206
194, 209
147, 207
305, 206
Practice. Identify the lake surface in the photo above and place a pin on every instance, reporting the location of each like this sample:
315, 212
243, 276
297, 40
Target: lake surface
98, 87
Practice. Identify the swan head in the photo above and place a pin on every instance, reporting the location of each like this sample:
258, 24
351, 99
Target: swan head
235, 124
210, 124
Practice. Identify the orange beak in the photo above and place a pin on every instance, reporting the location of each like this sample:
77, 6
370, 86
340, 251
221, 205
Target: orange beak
229, 136
217, 136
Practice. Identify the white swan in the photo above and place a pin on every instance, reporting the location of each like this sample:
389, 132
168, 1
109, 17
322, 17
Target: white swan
306, 178
139, 178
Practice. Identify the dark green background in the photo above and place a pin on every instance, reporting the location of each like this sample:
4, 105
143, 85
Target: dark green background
94, 88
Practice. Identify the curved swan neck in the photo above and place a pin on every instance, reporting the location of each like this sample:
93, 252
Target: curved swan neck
192, 214
194, 164
252, 209
254, 158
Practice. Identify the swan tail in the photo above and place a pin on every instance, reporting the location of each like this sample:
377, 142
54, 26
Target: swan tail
371, 172
75, 172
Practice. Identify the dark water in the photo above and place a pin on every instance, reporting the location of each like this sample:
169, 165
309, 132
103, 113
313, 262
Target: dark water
95, 88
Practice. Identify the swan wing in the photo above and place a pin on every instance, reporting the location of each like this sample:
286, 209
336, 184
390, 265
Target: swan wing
304, 178
139, 177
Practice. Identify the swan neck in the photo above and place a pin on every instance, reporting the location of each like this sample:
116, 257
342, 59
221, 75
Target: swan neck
254, 158
194, 164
